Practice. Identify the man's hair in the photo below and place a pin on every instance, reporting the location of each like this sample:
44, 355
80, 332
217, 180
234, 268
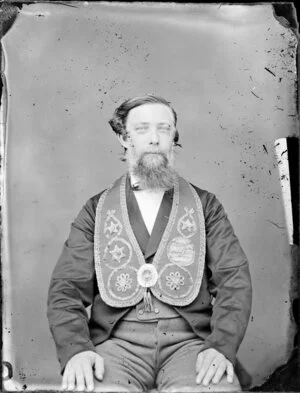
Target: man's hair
118, 121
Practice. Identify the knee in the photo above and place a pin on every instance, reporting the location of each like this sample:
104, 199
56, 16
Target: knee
110, 387
225, 386
222, 386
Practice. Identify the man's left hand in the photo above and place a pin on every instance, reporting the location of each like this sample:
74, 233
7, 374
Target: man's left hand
211, 366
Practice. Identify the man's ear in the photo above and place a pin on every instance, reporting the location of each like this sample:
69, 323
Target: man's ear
123, 140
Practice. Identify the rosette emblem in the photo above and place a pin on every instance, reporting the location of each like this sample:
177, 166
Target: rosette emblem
122, 283
147, 275
175, 281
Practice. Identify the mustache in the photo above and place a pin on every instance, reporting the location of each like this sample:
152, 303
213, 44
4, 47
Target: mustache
159, 153
154, 152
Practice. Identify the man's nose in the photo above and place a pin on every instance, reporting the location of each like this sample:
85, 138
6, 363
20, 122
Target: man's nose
154, 137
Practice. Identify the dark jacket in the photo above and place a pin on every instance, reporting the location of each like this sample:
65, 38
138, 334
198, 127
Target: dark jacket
226, 281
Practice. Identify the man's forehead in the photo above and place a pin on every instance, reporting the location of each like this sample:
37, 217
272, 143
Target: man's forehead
150, 112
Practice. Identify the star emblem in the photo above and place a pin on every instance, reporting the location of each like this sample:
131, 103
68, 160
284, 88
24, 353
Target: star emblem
112, 228
117, 253
187, 224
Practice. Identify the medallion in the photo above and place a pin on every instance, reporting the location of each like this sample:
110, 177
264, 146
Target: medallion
147, 275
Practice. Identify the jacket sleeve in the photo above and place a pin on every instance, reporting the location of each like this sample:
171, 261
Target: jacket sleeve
72, 289
229, 282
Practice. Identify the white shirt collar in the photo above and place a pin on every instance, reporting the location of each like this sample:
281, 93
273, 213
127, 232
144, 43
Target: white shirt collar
134, 181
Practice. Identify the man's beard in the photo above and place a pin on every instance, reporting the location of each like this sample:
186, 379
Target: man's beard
154, 171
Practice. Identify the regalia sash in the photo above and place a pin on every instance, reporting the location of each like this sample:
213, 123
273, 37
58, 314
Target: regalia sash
175, 274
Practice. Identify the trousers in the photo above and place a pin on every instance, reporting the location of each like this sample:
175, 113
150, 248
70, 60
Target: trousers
160, 355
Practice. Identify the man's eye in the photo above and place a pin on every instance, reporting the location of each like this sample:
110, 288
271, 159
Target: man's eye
142, 128
164, 128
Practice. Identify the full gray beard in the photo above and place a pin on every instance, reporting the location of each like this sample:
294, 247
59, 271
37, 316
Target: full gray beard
154, 171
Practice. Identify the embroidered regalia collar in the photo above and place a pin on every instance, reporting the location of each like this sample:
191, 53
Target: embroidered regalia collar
175, 274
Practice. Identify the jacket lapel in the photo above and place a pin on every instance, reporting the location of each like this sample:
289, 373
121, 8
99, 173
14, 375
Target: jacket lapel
136, 220
160, 224
147, 243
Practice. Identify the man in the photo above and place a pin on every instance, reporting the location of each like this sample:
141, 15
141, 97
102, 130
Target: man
158, 260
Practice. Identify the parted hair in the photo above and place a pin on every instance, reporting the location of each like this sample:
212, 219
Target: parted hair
118, 121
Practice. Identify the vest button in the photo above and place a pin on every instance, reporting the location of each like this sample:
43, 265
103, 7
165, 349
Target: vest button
156, 310
141, 312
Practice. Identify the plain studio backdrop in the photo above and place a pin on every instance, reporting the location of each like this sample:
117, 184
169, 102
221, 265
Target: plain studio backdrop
230, 73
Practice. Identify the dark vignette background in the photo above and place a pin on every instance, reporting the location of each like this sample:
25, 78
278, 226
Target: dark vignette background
285, 377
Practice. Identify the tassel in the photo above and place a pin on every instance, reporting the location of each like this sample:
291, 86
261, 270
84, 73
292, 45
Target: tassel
150, 302
148, 305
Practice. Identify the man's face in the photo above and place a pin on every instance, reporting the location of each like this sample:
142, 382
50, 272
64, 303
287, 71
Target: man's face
150, 131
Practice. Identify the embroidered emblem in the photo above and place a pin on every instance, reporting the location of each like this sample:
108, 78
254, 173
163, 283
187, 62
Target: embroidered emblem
117, 253
186, 224
181, 251
174, 280
147, 275
178, 262
112, 226
123, 282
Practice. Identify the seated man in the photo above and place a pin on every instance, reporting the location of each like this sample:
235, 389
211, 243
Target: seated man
158, 261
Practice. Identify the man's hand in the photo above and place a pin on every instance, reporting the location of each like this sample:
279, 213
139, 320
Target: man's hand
80, 369
211, 366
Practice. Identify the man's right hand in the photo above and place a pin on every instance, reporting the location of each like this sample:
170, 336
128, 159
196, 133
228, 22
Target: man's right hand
79, 371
